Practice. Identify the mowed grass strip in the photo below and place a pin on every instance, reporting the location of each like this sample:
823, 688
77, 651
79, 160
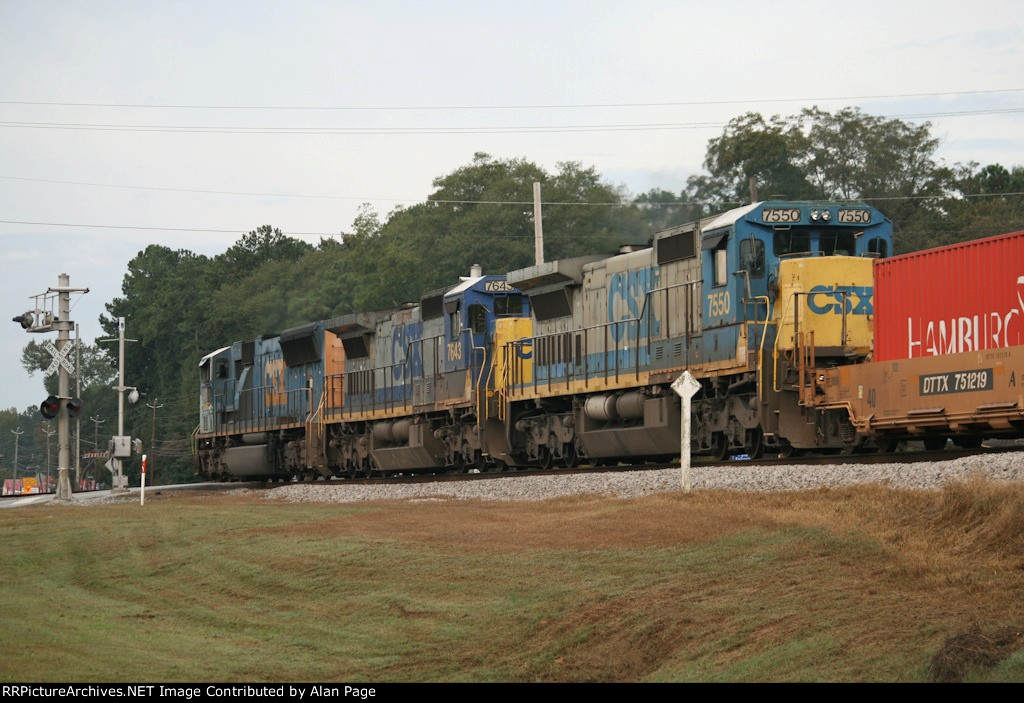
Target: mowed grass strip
857, 584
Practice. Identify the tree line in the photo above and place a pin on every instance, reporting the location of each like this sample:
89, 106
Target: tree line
181, 305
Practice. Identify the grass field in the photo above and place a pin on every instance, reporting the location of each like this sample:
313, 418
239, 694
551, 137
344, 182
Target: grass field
858, 584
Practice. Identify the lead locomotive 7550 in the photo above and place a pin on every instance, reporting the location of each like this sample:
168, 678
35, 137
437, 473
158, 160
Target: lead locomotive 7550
570, 360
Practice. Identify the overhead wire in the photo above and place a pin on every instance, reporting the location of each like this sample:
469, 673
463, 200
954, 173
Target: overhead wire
441, 201
554, 106
446, 130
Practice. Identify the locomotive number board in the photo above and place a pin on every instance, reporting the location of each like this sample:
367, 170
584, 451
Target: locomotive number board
854, 217
780, 214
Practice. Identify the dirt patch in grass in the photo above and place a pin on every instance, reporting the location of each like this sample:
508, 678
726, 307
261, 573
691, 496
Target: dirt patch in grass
973, 649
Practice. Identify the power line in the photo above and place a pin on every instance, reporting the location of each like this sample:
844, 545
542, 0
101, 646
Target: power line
364, 131
381, 108
197, 230
428, 200
398, 131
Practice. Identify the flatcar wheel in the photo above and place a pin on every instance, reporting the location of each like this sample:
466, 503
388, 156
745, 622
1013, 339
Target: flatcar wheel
788, 451
968, 442
850, 448
887, 445
934, 444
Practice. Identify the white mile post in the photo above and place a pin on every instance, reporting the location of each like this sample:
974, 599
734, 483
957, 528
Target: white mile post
685, 387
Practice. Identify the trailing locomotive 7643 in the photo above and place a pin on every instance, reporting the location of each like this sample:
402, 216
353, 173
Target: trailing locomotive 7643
567, 360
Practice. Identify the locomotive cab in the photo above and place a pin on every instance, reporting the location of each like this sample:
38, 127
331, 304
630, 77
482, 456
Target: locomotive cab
471, 309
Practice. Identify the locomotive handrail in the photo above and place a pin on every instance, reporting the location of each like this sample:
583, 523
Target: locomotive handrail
542, 342
312, 426
480, 380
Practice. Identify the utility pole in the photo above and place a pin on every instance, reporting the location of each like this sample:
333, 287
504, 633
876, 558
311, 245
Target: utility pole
96, 422
17, 435
120, 482
49, 433
63, 325
78, 394
96, 435
538, 227
152, 441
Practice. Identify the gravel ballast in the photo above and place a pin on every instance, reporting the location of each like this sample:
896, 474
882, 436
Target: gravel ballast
738, 476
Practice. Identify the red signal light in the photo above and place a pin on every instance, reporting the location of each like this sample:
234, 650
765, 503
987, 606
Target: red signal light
50, 407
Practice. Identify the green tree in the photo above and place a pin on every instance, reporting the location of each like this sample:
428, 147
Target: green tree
768, 151
662, 209
482, 213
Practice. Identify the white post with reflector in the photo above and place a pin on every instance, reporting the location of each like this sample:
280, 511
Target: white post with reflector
142, 499
685, 387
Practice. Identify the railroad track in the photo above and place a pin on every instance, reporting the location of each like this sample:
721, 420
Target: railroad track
866, 459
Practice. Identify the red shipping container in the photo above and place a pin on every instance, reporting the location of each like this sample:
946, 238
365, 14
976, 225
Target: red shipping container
958, 298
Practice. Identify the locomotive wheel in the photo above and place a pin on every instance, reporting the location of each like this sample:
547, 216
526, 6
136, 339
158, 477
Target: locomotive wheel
547, 459
755, 443
569, 456
720, 450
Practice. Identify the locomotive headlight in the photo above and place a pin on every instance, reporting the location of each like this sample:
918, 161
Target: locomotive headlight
826, 215
815, 215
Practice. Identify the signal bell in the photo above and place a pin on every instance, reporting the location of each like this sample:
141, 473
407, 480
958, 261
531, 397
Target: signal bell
50, 407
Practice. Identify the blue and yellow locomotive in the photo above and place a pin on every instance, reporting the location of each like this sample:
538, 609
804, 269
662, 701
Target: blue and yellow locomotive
569, 360
749, 301
392, 390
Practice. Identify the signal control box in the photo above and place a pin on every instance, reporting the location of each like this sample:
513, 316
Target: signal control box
122, 447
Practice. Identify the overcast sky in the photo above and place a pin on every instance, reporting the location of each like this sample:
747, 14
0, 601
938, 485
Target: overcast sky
94, 96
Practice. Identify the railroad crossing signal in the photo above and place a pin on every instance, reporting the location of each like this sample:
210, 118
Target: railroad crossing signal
60, 358
50, 407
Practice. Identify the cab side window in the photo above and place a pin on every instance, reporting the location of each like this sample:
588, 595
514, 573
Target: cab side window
478, 318
752, 257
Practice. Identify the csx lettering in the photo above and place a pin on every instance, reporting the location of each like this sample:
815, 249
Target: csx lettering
855, 300
274, 382
719, 304
627, 291
405, 339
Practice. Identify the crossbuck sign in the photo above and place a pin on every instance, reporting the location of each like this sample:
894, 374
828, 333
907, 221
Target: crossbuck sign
60, 358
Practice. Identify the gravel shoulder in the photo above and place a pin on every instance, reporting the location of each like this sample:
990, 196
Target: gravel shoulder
738, 477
